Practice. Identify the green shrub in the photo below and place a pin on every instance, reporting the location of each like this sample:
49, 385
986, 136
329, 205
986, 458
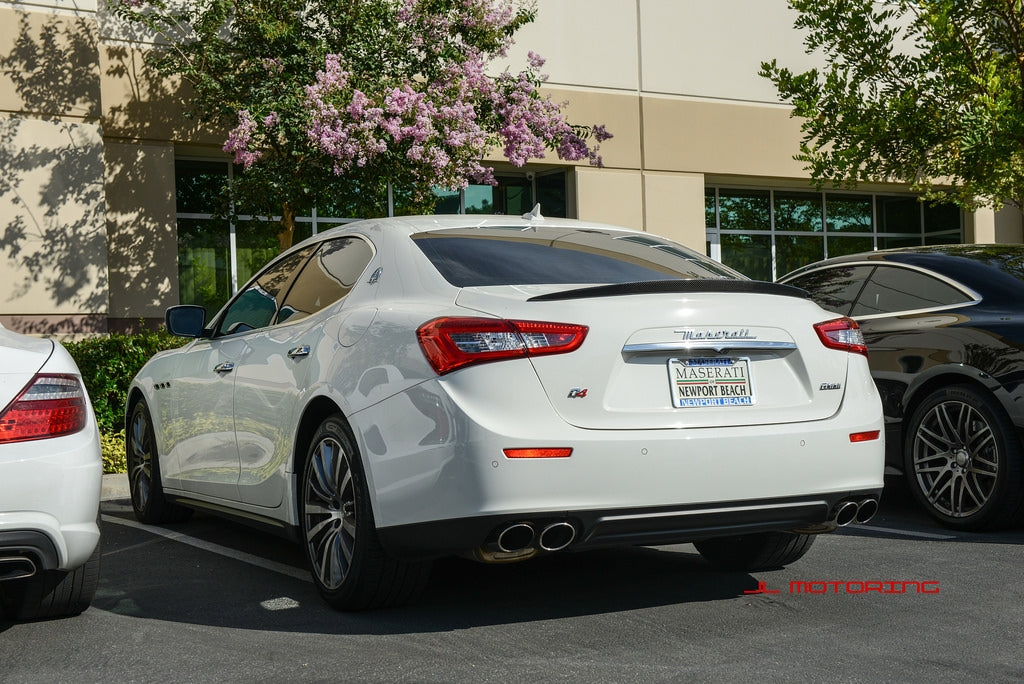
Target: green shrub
112, 444
108, 364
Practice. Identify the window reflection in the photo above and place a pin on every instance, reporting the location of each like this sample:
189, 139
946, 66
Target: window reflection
751, 255
800, 227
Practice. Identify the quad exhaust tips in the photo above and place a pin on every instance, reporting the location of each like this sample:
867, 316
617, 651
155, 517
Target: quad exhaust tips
851, 511
16, 567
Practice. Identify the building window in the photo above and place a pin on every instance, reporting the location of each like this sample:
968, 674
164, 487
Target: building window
765, 234
217, 256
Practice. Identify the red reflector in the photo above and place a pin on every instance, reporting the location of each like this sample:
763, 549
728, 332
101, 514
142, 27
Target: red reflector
559, 452
52, 405
864, 436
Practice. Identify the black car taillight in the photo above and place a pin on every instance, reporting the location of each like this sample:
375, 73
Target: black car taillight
50, 406
452, 343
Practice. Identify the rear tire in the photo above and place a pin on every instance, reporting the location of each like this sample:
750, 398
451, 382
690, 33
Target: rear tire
52, 593
963, 460
147, 492
759, 551
350, 568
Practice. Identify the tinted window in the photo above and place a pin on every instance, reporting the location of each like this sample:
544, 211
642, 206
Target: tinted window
834, 289
491, 256
256, 306
326, 278
893, 289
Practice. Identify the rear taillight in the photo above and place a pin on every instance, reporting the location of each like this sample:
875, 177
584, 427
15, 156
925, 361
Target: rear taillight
452, 343
51, 405
843, 334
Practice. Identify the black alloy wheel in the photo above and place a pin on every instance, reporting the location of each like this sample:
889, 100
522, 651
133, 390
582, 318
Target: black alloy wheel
963, 460
144, 484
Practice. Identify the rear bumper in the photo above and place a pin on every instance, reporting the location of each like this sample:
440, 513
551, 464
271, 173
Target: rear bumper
440, 481
649, 526
49, 499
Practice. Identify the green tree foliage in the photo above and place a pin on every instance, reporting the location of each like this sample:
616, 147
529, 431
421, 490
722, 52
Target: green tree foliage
332, 102
924, 92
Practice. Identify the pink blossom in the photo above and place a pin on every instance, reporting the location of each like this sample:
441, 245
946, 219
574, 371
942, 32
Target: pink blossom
241, 138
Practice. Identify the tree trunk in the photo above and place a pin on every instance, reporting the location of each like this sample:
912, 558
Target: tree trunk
287, 226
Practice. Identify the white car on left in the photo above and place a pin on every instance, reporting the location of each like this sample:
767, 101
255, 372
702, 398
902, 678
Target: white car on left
51, 477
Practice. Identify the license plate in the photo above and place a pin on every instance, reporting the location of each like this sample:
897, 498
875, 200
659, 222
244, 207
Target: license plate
710, 382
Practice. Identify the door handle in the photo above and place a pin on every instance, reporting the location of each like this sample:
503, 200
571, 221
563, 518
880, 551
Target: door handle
225, 367
296, 352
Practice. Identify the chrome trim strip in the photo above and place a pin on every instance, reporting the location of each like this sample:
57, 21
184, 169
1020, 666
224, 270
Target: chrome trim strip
707, 345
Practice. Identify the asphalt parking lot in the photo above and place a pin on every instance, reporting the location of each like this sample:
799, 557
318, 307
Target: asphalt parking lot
899, 599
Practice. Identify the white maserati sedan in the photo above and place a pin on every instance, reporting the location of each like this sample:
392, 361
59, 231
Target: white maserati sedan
402, 389
51, 474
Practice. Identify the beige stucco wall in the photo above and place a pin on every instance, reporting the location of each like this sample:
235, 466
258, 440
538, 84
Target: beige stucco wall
674, 207
53, 245
141, 229
48, 63
989, 226
718, 137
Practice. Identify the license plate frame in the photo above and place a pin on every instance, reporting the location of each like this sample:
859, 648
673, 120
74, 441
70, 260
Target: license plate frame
710, 381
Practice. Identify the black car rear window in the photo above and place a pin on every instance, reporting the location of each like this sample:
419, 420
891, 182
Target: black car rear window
479, 257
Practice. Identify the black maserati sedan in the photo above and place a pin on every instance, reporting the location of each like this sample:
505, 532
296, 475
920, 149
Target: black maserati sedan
944, 327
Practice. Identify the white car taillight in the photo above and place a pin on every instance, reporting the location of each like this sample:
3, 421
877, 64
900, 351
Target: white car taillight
451, 343
843, 334
50, 406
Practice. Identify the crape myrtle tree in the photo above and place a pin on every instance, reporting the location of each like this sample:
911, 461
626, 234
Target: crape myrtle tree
331, 102
924, 92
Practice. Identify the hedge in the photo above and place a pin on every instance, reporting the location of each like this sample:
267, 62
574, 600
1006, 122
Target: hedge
108, 364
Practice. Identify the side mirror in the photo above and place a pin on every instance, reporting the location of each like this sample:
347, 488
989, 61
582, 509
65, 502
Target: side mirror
186, 320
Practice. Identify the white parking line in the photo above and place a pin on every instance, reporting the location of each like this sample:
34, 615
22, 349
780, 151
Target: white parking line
214, 548
906, 533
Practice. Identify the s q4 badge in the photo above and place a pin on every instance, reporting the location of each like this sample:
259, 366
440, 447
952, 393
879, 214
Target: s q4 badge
577, 393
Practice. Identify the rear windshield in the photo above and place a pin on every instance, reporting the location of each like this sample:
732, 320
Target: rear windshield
552, 256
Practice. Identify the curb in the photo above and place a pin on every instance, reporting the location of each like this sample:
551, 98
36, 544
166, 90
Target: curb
115, 486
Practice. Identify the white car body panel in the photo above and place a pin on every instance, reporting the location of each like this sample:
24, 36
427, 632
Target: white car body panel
432, 446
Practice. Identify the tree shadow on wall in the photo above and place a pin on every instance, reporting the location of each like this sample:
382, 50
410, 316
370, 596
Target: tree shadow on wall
143, 114
87, 190
51, 187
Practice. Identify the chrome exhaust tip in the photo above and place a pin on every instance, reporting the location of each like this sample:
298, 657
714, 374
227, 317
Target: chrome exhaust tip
516, 537
16, 567
557, 536
866, 510
846, 513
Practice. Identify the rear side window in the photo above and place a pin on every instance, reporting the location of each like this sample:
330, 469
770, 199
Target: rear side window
480, 257
834, 289
892, 289
326, 278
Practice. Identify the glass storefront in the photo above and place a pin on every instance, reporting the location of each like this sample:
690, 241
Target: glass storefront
217, 256
765, 234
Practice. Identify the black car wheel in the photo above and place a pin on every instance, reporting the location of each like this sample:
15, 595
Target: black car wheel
350, 568
963, 459
758, 551
144, 484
